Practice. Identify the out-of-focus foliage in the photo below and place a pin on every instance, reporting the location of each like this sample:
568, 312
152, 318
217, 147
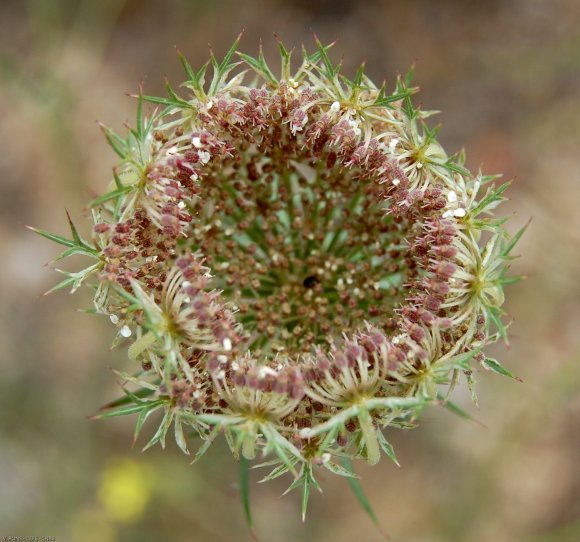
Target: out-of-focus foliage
507, 76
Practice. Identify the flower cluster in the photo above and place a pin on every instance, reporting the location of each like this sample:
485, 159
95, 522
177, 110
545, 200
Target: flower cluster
294, 261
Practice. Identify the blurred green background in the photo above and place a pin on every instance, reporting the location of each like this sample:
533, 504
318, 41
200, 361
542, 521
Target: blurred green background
505, 73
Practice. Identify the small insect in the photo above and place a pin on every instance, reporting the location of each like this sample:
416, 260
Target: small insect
310, 281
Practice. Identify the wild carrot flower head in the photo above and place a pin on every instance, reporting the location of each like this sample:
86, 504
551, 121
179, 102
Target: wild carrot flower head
294, 261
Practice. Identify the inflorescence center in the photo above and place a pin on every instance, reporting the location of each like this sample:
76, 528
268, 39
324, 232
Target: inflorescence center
301, 245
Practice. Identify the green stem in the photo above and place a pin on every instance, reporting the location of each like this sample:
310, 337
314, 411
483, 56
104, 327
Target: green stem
370, 437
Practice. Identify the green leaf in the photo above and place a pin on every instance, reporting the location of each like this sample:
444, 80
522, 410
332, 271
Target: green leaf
505, 281
305, 492
275, 473
409, 75
493, 195
194, 78
186, 66
230, 442
220, 419
180, 436
74, 279
260, 66
285, 57
201, 76
457, 410
471, 387
69, 281
329, 438
125, 399
110, 195
304, 480
383, 100
513, 241
161, 433
337, 469
357, 489
224, 67
490, 224
497, 367
92, 253
397, 403
270, 433
315, 57
494, 314
53, 237
75, 234
126, 377
245, 492
143, 415
387, 448
139, 115
295, 483
132, 396
286, 451
430, 135
486, 179
402, 87
165, 101
461, 361
456, 168
174, 97
357, 81
205, 446
270, 463
124, 410
330, 69
225, 63
117, 143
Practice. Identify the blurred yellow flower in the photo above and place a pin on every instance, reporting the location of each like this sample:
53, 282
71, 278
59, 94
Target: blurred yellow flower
125, 490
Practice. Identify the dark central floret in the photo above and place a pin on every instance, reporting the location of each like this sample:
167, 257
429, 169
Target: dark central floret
300, 244
310, 281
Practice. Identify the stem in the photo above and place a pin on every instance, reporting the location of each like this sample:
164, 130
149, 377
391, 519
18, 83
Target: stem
249, 444
369, 436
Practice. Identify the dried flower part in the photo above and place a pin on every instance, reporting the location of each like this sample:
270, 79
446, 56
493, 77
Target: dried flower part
295, 261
